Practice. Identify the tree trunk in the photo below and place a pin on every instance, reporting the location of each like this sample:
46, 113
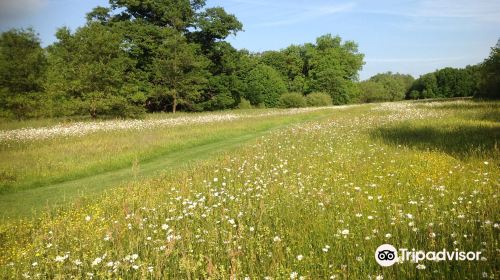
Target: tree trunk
174, 106
93, 109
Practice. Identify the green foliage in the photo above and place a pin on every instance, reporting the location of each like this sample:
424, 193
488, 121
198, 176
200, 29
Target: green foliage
444, 83
264, 85
218, 94
21, 106
318, 99
289, 64
298, 84
227, 68
385, 87
244, 104
292, 100
92, 68
139, 55
178, 73
372, 92
99, 14
176, 14
333, 67
22, 63
426, 86
329, 66
489, 83
215, 24
395, 85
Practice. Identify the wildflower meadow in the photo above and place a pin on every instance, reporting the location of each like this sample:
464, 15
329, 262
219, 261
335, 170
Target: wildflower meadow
306, 194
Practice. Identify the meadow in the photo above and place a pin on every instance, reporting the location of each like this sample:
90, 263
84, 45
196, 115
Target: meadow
307, 194
50, 164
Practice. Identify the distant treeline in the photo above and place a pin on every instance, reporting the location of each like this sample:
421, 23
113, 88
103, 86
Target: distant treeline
148, 56
480, 81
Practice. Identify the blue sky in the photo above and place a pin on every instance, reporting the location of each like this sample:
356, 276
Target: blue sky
406, 36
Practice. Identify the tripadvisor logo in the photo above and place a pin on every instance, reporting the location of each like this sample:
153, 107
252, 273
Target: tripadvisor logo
387, 255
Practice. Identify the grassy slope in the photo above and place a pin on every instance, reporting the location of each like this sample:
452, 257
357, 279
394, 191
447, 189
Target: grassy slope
40, 194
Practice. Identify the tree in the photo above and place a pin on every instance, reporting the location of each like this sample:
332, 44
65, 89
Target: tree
178, 72
426, 86
224, 88
22, 62
219, 94
147, 27
264, 85
395, 86
371, 91
213, 25
170, 55
276, 60
176, 14
99, 14
330, 66
22, 73
489, 84
333, 67
445, 83
92, 67
289, 63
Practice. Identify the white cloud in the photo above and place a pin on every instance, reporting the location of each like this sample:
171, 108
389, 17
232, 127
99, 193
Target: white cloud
16, 9
412, 60
301, 14
478, 10
482, 10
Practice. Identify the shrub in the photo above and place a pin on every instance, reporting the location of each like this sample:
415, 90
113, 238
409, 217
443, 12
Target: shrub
317, 99
244, 104
264, 85
22, 106
292, 100
372, 92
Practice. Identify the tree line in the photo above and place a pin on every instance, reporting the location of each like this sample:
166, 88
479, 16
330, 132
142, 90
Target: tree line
152, 56
481, 81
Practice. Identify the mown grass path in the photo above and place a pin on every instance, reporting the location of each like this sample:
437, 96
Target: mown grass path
30, 202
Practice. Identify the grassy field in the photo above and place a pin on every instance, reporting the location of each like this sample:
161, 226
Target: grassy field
54, 170
283, 196
62, 154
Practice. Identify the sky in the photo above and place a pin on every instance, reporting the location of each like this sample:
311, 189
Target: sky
406, 36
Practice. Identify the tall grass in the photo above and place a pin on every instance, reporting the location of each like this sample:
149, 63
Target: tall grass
35, 163
314, 200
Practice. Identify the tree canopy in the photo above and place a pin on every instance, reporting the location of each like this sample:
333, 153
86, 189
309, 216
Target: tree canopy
329, 65
385, 87
167, 55
489, 80
264, 86
446, 82
22, 62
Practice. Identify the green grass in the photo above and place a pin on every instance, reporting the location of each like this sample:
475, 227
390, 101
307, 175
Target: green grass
33, 164
52, 193
470, 130
314, 199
